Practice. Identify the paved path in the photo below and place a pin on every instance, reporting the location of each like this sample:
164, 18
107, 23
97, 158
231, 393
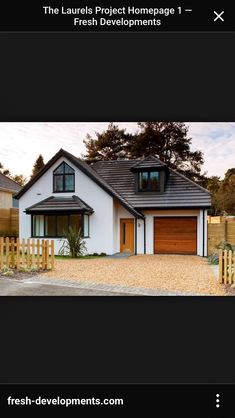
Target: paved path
41, 285
30, 287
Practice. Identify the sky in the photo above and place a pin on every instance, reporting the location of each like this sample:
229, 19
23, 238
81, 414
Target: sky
21, 143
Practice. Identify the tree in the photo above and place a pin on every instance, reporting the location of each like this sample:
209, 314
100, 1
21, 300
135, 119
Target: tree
227, 192
18, 178
38, 165
169, 142
3, 170
108, 145
223, 193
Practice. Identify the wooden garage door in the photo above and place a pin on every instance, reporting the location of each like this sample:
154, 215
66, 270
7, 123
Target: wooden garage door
175, 235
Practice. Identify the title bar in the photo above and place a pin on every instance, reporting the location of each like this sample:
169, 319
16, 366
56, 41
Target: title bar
117, 15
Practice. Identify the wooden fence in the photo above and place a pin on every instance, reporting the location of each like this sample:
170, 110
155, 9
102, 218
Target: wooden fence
226, 267
9, 221
26, 253
217, 232
220, 219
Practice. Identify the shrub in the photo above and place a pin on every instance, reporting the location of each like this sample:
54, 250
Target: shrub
213, 259
73, 244
25, 269
95, 254
103, 254
224, 245
7, 271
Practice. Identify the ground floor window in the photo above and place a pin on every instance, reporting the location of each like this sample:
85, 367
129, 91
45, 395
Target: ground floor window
56, 225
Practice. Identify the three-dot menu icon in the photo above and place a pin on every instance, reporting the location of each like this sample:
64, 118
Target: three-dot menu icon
217, 400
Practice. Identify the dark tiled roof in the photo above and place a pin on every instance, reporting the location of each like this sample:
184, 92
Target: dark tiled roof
148, 162
179, 191
8, 184
83, 166
60, 204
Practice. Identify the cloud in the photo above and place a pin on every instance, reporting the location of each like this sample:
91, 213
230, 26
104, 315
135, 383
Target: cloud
21, 143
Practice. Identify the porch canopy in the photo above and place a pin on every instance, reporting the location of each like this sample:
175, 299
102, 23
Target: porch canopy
71, 204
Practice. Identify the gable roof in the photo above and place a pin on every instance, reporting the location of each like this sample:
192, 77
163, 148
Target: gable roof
117, 178
148, 162
180, 192
85, 168
8, 185
60, 204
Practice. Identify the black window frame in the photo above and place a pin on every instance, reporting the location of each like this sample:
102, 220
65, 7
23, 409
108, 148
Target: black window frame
148, 189
56, 226
64, 175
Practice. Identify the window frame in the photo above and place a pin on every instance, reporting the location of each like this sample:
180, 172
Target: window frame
56, 226
148, 189
63, 175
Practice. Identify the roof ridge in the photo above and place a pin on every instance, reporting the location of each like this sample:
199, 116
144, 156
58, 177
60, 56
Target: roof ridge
153, 157
83, 166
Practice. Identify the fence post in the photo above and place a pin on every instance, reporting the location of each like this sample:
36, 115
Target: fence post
230, 267
23, 251
1, 252
38, 254
225, 265
33, 251
43, 254
12, 253
234, 267
7, 252
28, 252
46, 254
17, 253
225, 229
221, 266
52, 254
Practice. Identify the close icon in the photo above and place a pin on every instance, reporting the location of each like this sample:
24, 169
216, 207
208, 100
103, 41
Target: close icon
219, 16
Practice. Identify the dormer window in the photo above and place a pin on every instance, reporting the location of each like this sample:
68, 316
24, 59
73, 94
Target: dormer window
151, 175
149, 181
63, 179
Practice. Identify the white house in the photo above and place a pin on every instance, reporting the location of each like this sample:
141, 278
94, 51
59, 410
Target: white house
141, 206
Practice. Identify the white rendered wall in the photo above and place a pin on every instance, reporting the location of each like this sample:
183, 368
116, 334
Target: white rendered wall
101, 221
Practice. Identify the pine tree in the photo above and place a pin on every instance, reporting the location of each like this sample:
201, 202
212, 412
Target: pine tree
18, 178
108, 145
169, 141
38, 165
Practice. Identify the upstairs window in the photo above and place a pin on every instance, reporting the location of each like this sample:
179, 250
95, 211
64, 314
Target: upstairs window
149, 181
63, 179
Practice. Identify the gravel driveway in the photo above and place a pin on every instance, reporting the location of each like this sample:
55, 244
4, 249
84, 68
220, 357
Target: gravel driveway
176, 273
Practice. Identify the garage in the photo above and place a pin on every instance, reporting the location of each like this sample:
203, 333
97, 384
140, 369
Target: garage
175, 235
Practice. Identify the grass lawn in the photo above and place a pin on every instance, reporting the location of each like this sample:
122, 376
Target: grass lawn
83, 257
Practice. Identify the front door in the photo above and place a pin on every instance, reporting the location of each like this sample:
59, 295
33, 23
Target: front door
127, 235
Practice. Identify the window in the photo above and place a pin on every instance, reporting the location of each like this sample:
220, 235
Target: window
86, 231
149, 181
38, 225
63, 179
62, 225
143, 180
55, 225
76, 222
50, 226
15, 203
